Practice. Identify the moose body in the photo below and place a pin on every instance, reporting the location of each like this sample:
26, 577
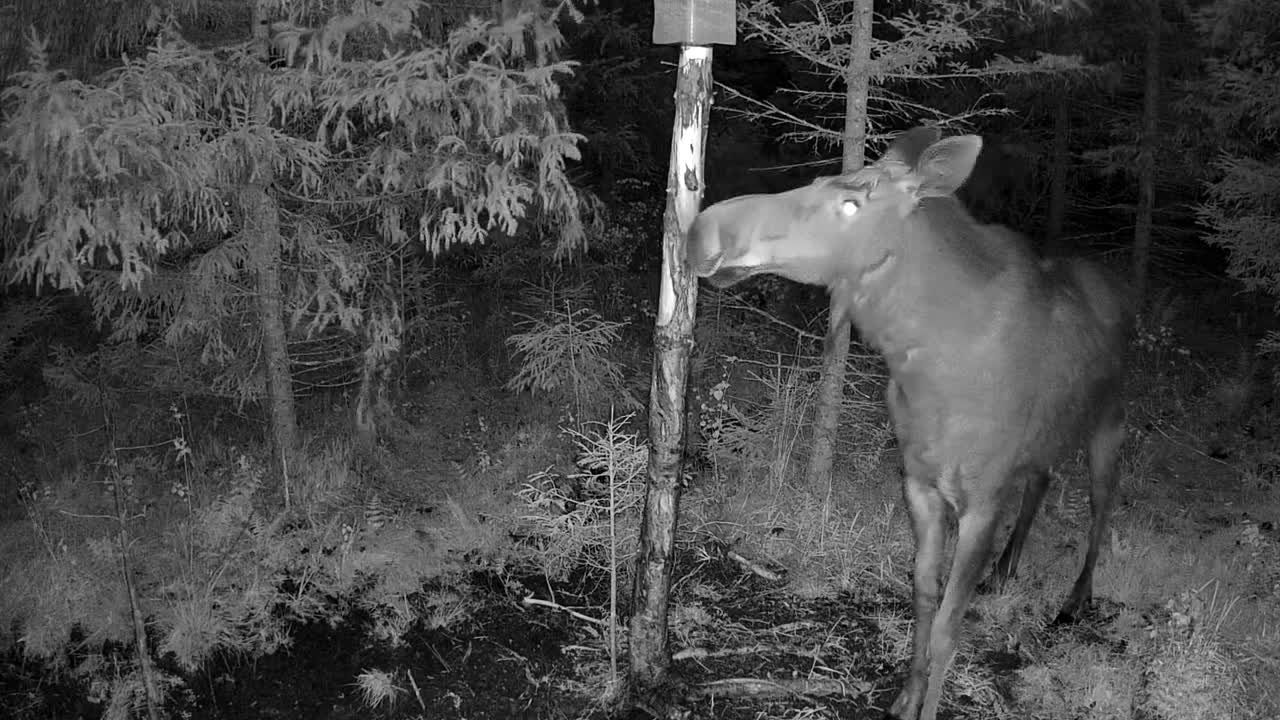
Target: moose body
999, 363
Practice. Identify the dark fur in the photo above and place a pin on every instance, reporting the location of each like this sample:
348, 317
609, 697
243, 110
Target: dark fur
1000, 363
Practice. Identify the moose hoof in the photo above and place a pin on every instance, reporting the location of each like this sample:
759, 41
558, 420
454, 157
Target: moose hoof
993, 585
907, 706
896, 713
1073, 612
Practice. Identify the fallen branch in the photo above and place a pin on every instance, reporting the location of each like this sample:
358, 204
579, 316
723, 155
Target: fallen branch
531, 600
754, 567
766, 688
697, 653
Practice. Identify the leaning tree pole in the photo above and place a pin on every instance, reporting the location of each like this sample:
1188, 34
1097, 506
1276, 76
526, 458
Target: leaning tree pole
695, 25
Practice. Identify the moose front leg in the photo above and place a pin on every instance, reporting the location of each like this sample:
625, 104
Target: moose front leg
976, 529
928, 522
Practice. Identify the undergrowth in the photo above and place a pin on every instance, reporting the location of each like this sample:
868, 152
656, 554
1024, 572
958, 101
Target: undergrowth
223, 567
215, 563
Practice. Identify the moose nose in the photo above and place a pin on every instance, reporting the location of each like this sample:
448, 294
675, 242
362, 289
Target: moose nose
703, 248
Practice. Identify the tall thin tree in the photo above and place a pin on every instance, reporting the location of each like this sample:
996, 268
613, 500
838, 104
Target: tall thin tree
262, 229
1059, 164
826, 420
1142, 229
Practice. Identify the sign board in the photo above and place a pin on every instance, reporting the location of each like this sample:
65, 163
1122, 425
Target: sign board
694, 22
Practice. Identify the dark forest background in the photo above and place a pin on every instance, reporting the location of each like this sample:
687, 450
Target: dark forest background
326, 341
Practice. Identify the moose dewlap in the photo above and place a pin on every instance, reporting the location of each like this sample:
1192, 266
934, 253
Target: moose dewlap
999, 363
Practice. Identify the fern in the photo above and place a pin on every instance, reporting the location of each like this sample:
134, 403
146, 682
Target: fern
229, 598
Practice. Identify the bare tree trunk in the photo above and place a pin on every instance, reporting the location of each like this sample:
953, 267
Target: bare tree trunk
1147, 154
382, 331
146, 666
673, 341
1058, 176
262, 228
826, 416
262, 232
370, 402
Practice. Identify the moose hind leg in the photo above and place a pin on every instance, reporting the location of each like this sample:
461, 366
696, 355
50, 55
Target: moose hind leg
928, 522
1104, 455
1036, 483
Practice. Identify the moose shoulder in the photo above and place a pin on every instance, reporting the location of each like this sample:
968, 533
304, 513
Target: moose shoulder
999, 363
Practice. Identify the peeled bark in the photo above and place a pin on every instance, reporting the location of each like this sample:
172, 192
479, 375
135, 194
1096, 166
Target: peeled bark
673, 342
826, 415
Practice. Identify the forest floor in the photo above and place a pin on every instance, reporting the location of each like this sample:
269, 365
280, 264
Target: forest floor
745, 647
783, 605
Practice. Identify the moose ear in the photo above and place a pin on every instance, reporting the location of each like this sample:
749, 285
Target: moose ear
945, 165
907, 147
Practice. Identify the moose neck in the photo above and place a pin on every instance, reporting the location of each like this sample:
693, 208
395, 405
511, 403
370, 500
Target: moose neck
925, 293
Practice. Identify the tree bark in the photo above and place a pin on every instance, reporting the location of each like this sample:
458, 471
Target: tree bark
262, 230
826, 416
673, 341
1058, 176
1142, 230
261, 219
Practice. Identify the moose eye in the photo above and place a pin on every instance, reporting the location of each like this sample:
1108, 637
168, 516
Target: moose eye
849, 207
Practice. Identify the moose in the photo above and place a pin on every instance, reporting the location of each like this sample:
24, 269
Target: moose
1000, 363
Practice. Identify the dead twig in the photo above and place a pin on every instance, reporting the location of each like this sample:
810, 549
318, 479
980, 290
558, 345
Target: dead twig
531, 600
1187, 446
417, 692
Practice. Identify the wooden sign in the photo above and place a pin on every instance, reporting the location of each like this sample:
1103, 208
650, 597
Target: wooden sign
694, 22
